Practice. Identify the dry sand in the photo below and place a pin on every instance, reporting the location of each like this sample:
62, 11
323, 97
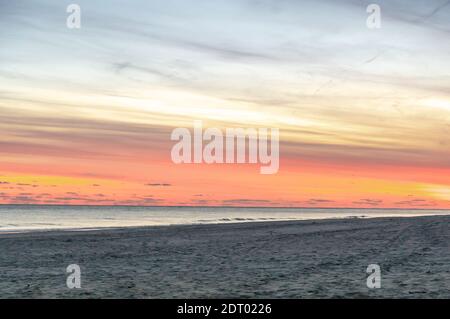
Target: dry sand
298, 259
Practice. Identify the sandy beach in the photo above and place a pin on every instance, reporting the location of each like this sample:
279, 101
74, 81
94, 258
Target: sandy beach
298, 259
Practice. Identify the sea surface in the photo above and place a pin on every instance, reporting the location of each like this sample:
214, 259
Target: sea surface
23, 218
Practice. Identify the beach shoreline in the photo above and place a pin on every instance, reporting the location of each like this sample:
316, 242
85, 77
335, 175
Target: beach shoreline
324, 258
87, 230
36, 218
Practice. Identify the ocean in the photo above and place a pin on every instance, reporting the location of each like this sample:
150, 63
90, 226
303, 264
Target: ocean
23, 218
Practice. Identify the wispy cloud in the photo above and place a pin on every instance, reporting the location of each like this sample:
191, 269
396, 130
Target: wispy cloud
100, 102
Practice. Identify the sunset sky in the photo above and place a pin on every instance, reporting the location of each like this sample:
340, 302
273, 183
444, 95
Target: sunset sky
363, 114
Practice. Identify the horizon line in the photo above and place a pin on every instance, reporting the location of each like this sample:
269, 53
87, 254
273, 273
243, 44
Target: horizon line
194, 206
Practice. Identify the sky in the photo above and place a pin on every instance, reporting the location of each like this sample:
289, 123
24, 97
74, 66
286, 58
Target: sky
363, 114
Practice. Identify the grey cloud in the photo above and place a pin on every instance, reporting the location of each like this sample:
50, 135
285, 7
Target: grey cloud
417, 202
317, 201
245, 201
368, 201
158, 184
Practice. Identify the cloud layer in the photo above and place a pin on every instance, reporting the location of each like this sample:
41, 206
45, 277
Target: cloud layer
367, 106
